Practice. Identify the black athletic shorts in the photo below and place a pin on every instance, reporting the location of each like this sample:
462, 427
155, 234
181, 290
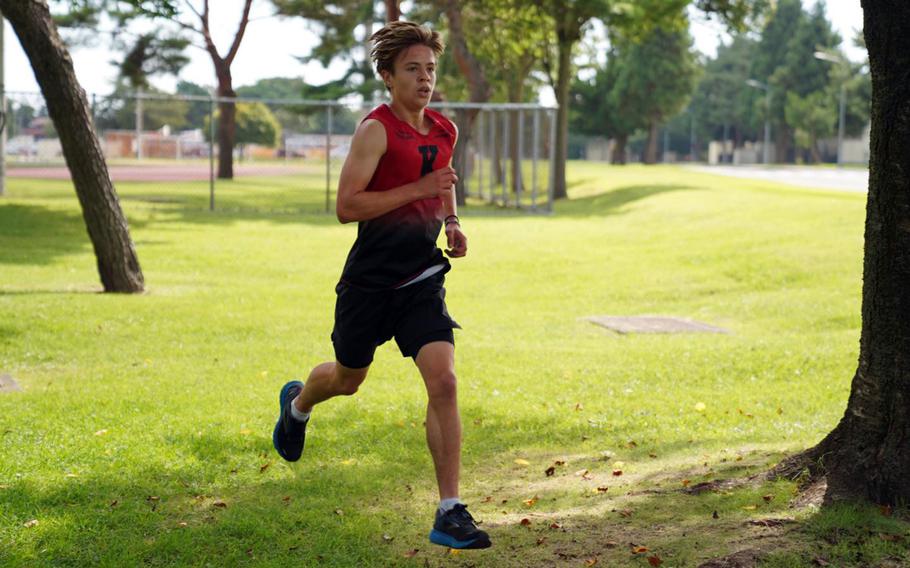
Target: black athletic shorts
365, 319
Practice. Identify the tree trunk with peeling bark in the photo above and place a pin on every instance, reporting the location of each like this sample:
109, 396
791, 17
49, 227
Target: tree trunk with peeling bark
866, 455
118, 264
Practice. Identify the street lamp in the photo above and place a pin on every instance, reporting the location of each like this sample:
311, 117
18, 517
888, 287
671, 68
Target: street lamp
766, 147
842, 114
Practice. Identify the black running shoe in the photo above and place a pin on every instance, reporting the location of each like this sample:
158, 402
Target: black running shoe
456, 529
289, 433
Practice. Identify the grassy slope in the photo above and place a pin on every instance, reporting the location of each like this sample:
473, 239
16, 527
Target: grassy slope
140, 413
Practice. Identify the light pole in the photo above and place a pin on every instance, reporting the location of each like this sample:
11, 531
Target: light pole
842, 113
766, 147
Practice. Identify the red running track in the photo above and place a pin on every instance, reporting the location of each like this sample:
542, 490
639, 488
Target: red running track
176, 172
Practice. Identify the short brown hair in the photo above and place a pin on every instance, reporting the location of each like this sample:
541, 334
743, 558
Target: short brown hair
395, 37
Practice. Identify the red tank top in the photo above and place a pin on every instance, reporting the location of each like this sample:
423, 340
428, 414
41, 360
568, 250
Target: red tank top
396, 247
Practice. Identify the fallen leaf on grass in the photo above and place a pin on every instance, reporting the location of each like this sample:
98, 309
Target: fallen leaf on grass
578, 406
411, 553
530, 502
617, 472
631, 445
886, 510
525, 522
655, 561
559, 463
264, 467
339, 512
30, 524
587, 476
520, 461
652, 455
454, 551
625, 513
611, 544
602, 489
286, 498
686, 482
541, 540
181, 524
891, 537
220, 504
750, 507
581, 473
101, 432
555, 526
114, 503
591, 561
487, 499
71, 475
767, 498
639, 549
715, 515
388, 538
819, 561
550, 471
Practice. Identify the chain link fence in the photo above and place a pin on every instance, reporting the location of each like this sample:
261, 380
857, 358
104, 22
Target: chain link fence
506, 157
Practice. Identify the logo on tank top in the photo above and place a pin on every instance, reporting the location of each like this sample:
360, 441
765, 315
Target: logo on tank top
429, 156
404, 135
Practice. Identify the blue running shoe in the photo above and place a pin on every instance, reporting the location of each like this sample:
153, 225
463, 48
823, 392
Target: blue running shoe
456, 529
289, 433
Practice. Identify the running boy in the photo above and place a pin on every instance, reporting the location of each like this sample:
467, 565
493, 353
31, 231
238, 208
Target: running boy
397, 183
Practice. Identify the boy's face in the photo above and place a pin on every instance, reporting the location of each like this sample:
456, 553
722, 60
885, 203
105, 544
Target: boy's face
414, 78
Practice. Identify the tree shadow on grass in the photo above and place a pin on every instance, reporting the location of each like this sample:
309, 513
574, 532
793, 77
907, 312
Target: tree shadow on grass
224, 499
32, 234
612, 202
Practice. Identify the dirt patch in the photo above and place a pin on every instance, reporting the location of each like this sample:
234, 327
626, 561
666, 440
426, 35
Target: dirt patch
653, 324
8, 384
743, 559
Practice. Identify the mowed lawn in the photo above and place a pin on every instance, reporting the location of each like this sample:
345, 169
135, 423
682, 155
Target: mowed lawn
142, 435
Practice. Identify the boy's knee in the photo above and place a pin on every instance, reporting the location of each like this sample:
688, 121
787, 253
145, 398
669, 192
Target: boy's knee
442, 386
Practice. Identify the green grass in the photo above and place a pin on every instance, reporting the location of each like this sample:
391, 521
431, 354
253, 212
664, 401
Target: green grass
139, 413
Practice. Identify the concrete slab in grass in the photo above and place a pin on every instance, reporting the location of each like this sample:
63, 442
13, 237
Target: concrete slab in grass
7, 384
653, 324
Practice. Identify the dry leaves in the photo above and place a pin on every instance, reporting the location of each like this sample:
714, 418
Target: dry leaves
591, 561
219, 505
530, 502
525, 522
30, 524
411, 553
522, 462
639, 549
550, 471
655, 561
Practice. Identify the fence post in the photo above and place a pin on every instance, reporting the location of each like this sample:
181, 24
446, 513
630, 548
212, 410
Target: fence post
139, 124
212, 153
328, 158
534, 153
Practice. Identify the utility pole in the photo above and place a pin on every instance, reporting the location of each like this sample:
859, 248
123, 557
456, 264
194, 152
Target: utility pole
766, 147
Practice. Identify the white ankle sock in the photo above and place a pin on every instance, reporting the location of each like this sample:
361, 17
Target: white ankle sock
299, 416
448, 504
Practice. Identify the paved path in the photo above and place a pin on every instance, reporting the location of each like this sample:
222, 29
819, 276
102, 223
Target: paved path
846, 179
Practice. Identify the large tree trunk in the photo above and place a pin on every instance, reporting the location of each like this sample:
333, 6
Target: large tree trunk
478, 88
866, 456
619, 150
227, 122
563, 79
67, 106
651, 144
